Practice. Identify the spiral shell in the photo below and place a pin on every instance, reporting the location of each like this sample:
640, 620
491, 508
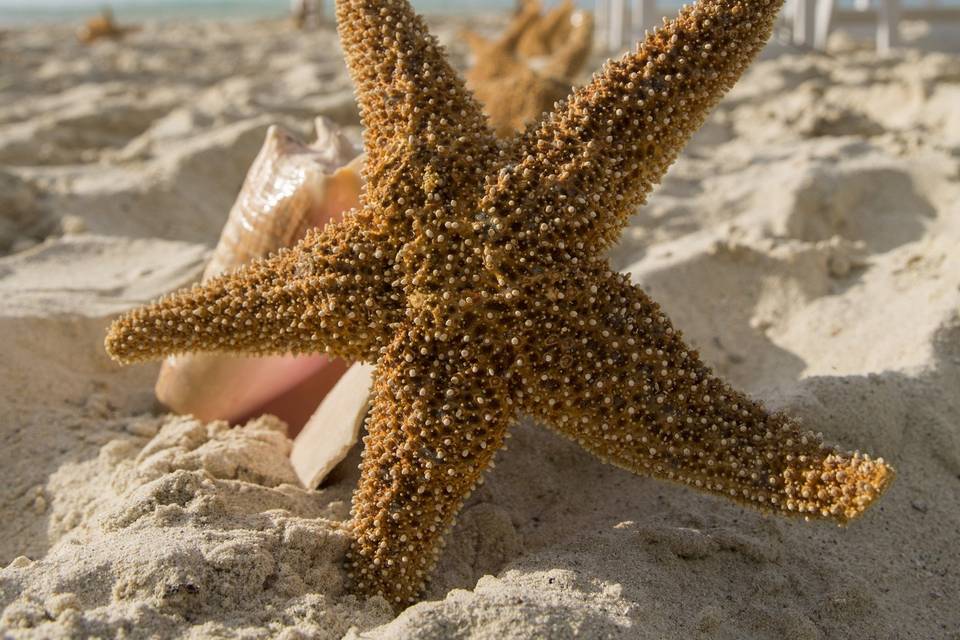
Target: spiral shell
289, 188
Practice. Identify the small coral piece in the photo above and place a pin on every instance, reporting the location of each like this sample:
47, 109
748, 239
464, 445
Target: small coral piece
474, 276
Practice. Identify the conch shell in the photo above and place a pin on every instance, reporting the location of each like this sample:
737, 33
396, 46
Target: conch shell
531, 65
290, 188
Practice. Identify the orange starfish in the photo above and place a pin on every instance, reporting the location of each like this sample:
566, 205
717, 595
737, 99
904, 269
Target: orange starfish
473, 275
516, 90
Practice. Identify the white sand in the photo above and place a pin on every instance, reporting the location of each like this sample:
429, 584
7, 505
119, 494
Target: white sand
805, 242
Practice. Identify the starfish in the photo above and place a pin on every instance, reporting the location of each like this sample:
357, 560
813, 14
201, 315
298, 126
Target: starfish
103, 26
515, 90
473, 274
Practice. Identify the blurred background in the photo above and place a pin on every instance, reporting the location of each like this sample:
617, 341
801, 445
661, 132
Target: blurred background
20, 11
805, 240
58, 10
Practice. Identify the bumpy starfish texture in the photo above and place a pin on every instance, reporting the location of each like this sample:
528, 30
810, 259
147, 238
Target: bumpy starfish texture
473, 275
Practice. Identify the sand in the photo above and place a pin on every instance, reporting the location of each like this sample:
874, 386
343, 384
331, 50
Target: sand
805, 243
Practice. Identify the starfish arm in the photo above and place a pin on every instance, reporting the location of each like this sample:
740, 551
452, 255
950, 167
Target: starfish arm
426, 138
568, 59
518, 27
578, 174
617, 378
434, 426
329, 293
482, 48
557, 22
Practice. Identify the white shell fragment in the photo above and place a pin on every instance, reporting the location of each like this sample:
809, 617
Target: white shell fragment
334, 427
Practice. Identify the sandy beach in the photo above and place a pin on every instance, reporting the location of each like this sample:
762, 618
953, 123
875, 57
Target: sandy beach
805, 243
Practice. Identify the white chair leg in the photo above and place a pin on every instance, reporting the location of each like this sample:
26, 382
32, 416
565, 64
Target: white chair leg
618, 23
803, 15
642, 15
786, 15
888, 23
824, 16
601, 26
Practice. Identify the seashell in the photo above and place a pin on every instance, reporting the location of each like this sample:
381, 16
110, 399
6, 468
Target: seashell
334, 427
289, 188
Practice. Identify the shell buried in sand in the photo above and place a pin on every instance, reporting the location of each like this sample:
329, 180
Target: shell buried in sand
334, 427
290, 188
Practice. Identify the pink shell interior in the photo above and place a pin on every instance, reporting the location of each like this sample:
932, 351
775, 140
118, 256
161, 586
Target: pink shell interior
290, 188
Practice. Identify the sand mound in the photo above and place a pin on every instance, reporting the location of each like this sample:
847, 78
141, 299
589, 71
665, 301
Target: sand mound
61, 398
21, 219
185, 537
